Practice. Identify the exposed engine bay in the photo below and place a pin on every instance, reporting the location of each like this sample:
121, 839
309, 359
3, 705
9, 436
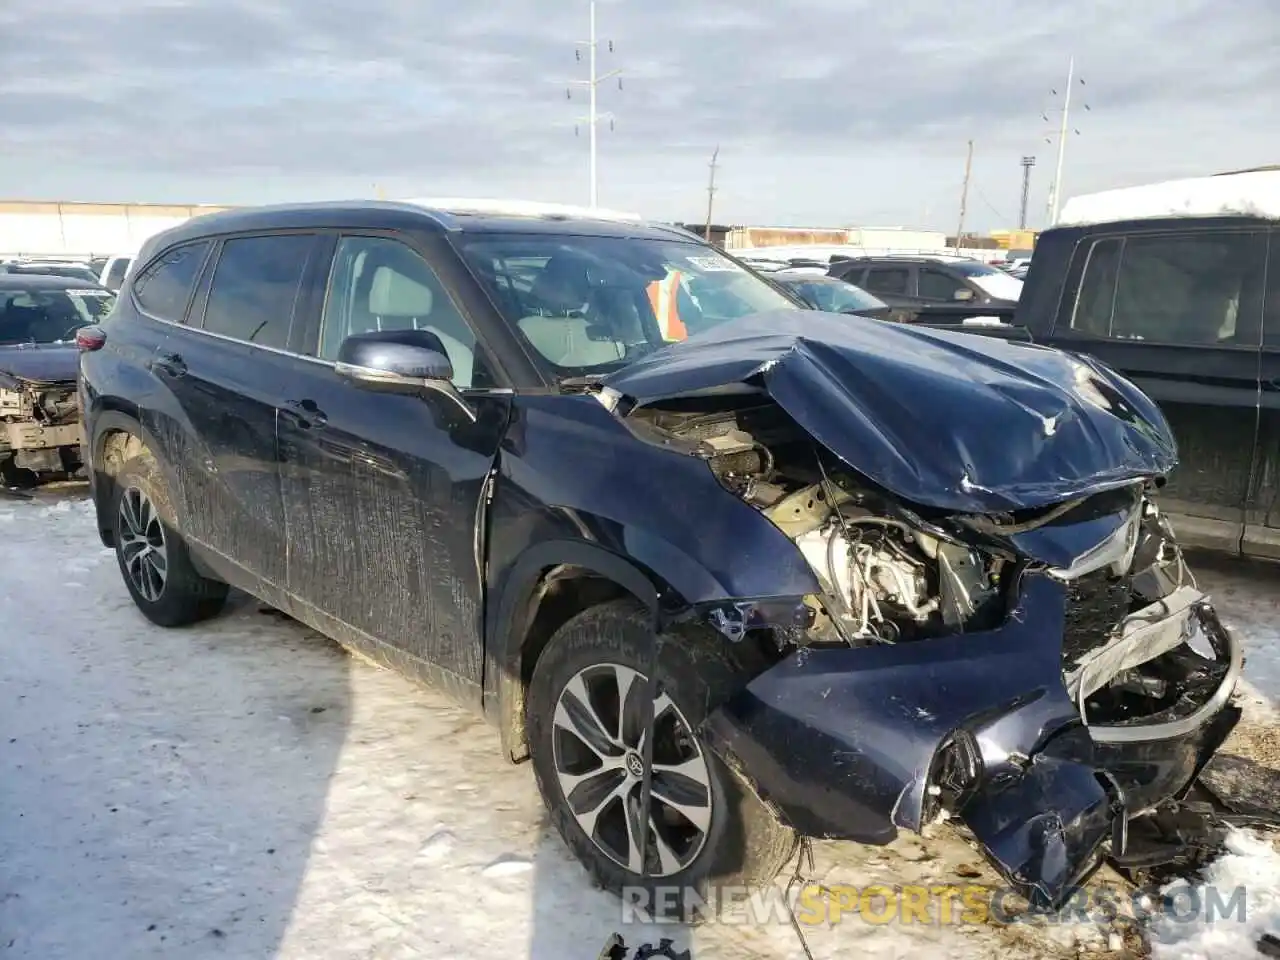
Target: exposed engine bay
985, 617
894, 572
40, 429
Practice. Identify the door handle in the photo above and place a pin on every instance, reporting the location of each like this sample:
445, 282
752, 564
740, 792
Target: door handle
304, 414
1272, 384
169, 364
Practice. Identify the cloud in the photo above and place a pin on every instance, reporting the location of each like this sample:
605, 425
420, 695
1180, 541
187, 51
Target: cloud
825, 111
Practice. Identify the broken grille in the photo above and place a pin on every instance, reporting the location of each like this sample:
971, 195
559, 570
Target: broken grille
1096, 603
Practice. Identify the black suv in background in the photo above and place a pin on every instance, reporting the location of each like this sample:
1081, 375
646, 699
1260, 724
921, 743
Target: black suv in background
922, 281
725, 569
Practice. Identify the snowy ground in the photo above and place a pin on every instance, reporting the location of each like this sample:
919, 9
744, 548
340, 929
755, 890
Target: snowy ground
244, 789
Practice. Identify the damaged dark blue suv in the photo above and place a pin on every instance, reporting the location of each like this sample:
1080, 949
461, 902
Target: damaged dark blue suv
727, 570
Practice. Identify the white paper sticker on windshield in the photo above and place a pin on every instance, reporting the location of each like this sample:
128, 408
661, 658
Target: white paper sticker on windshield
89, 293
714, 264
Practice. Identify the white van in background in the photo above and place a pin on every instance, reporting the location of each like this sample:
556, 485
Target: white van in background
116, 269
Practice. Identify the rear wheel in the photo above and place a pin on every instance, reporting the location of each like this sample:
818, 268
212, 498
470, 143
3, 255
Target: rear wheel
706, 828
153, 558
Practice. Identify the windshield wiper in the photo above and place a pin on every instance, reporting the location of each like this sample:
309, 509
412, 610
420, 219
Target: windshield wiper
583, 384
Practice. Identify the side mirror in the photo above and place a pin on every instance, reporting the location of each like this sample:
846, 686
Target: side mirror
400, 361
964, 293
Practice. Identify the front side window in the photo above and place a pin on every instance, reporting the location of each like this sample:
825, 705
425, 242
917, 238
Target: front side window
255, 285
936, 285
49, 316
381, 284
591, 304
1197, 289
888, 280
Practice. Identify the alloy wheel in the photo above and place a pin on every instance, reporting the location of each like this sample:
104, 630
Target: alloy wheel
598, 745
143, 550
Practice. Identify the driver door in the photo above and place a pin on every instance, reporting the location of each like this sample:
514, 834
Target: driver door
382, 492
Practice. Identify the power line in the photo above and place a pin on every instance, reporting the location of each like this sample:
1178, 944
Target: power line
990, 206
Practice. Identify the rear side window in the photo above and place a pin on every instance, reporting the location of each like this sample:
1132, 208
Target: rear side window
1098, 289
255, 284
164, 288
1197, 289
887, 280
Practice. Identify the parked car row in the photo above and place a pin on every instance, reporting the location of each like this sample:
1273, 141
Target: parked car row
105, 271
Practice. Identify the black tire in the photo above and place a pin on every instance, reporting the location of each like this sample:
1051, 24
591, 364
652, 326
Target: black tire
745, 846
185, 597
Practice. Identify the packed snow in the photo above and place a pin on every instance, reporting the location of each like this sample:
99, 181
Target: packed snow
245, 789
1253, 194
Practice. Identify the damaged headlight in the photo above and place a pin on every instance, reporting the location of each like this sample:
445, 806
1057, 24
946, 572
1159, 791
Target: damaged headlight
953, 775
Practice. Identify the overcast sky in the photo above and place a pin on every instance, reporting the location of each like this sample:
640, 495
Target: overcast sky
827, 112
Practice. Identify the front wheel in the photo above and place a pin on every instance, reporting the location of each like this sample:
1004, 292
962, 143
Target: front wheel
153, 558
706, 829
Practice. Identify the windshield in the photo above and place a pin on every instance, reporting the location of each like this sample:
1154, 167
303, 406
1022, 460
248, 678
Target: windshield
837, 297
593, 304
49, 316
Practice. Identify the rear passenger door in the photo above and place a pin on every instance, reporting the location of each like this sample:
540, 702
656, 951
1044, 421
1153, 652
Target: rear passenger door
891, 283
1179, 312
384, 493
1262, 521
161, 294
226, 371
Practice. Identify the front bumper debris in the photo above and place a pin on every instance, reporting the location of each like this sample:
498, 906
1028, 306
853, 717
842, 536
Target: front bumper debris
859, 743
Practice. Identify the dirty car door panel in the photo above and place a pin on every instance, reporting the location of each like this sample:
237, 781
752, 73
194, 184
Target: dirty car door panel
385, 492
224, 379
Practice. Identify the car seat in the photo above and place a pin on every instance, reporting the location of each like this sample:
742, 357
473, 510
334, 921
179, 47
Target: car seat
395, 298
562, 287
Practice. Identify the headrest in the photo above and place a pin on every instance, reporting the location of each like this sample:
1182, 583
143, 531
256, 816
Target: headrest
395, 295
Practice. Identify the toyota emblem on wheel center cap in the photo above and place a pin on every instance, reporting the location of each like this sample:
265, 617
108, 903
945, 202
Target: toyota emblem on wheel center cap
635, 766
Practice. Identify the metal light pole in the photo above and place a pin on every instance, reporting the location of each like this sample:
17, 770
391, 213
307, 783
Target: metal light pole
592, 82
1027, 164
1056, 204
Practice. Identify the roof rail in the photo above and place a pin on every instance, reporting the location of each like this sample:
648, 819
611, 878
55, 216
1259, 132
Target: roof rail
520, 208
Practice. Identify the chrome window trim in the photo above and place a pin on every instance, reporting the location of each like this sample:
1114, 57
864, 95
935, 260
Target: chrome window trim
331, 364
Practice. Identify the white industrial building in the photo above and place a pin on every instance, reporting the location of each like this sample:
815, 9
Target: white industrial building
32, 228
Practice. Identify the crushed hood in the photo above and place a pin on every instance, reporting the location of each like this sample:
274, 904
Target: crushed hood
41, 363
954, 421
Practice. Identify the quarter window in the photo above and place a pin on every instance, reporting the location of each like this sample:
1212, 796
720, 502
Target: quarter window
1197, 289
164, 288
381, 284
255, 286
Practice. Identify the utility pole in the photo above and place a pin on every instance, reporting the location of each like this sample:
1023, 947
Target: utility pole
964, 195
711, 193
1027, 164
593, 81
1056, 202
